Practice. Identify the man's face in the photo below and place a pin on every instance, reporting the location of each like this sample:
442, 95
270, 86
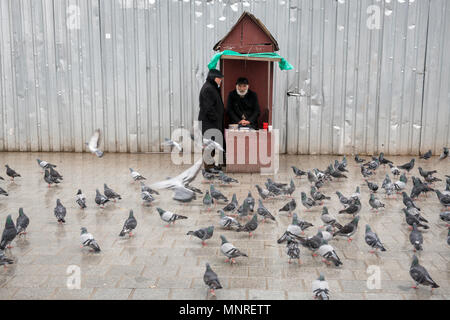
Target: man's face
242, 88
218, 81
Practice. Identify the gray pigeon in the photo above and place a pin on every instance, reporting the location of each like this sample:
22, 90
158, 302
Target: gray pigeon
169, 217
328, 219
264, 194
60, 212
22, 223
445, 216
3, 192
110, 194
100, 199
11, 173
342, 199
4, 260
448, 237
249, 226
230, 207
216, 194
55, 174
444, 153
226, 179
50, 179
443, 199
211, 280
262, 211
375, 203
87, 240
289, 207
203, 234
308, 203
81, 199
148, 189
45, 164
230, 251
298, 173
420, 275
136, 175
129, 225
226, 221
427, 155
293, 251
208, 200
147, 197
408, 166
320, 288
244, 209
251, 201
416, 238
372, 240
354, 208
411, 219
349, 229
329, 254
317, 195
9, 233
289, 190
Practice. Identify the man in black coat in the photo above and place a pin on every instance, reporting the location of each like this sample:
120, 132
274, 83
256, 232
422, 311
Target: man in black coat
242, 105
212, 109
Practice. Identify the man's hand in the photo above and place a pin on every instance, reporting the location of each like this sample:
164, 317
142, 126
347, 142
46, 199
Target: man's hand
244, 123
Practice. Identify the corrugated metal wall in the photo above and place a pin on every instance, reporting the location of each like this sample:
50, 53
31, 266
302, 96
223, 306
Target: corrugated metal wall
133, 68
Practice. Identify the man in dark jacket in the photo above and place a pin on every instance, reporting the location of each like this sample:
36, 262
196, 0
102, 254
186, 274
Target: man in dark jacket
242, 105
212, 108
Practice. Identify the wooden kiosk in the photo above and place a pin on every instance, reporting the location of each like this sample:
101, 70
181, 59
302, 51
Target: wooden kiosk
244, 148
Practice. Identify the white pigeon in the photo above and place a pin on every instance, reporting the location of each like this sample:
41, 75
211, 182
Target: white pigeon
230, 251
136, 175
87, 240
227, 221
171, 143
93, 144
320, 288
181, 180
328, 253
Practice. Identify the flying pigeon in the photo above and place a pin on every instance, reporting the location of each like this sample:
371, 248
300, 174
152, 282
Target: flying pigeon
169, 217
203, 234
262, 211
372, 240
349, 229
416, 238
94, 144
230, 251
110, 194
136, 175
427, 155
444, 153
22, 223
298, 173
293, 251
329, 254
226, 221
45, 164
249, 226
129, 225
320, 288
420, 275
11, 173
182, 179
50, 179
60, 212
9, 233
100, 199
171, 143
87, 240
81, 199
211, 280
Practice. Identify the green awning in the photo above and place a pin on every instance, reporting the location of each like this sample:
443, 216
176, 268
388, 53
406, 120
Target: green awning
283, 64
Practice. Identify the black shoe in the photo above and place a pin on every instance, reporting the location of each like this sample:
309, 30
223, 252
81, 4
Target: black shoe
218, 168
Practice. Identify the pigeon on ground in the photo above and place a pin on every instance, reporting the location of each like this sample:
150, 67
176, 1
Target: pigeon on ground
358, 159
147, 197
373, 165
308, 203
293, 231
372, 186
216, 194
169, 217
416, 238
353, 208
60, 212
337, 174
388, 186
249, 226
339, 166
50, 179
320, 288
183, 194
22, 223
372, 240
375, 203
303, 224
87, 240
55, 174
443, 199
233, 205
327, 234
110, 194
329, 254
408, 166
148, 189
328, 219
317, 195
394, 170
100, 199
366, 172
408, 202
3, 192
226, 221
357, 194
171, 143
383, 160
203, 234
400, 185
4, 260
264, 194
230, 251
293, 251
420, 275
349, 229
11, 173
45, 164
129, 225
425, 174
251, 201
444, 153
312, 178
273, 189
289, 190
445, 216
277, 184
431, 179
312, 243
427, 155
211, 280
298, 173
226, 179
262, 211
244, 209
289, 207
342, 199
94, 144
136, 175
208, 200
411, 219
9, 233
81, 199
208, 175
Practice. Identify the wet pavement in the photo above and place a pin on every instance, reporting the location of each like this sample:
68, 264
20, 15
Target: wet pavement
165, 263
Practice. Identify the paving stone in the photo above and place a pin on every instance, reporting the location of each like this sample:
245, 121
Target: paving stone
151, 294
111, 294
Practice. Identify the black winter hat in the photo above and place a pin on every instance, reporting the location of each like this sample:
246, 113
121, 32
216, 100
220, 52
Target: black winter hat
214, 73
242, 80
